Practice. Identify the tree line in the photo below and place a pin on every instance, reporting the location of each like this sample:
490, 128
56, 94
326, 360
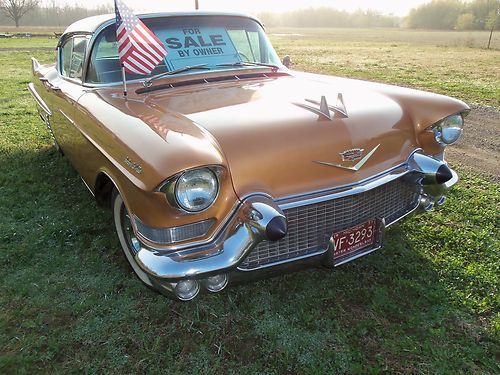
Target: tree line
329, 17
437, 14
52, 15
455, 15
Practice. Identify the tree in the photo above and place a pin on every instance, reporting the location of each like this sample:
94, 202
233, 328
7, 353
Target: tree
438, 14
16, 9
492, 22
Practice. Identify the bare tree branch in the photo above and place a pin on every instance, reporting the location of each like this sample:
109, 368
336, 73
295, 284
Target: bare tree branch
16, 9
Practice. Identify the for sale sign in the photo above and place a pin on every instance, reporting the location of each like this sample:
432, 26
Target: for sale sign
198, 45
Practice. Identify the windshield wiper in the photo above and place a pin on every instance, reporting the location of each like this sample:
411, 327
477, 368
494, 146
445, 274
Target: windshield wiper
148, 82
249, 63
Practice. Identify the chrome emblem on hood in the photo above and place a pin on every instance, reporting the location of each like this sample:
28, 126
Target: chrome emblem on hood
352, 155
356, 167
325, 110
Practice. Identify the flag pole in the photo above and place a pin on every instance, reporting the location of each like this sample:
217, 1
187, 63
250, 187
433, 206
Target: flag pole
124, 81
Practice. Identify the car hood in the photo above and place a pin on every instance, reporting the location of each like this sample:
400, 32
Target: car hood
274, 144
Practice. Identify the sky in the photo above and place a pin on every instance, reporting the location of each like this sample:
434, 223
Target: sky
396, 7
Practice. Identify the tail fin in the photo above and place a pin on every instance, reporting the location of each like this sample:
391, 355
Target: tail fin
35, 65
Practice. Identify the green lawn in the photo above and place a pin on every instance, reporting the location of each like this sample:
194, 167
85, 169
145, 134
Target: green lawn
428, 302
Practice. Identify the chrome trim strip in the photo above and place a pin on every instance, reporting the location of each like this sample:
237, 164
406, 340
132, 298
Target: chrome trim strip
284, 261
38, 99
347, 190
87, 186
68, 118
107, 155
293, 198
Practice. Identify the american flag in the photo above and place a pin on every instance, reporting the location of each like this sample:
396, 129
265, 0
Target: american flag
140, 50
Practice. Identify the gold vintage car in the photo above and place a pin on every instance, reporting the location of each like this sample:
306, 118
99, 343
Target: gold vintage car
225, 165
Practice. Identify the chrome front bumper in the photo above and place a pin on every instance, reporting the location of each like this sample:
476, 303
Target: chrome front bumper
249, 224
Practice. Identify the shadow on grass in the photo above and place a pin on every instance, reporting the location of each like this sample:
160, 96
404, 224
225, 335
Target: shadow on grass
71, 303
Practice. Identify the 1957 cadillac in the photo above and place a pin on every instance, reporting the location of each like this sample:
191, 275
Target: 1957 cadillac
223, 164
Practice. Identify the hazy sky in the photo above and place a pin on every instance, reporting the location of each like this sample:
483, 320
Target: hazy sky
397, 7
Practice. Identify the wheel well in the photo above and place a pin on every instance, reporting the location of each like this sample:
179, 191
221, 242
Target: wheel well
103, 190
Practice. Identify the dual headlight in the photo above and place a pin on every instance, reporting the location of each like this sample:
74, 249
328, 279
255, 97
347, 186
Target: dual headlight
448, 130
194, 190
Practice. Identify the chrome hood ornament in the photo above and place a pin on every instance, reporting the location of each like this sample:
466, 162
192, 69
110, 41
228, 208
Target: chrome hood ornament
351, 153
325, 110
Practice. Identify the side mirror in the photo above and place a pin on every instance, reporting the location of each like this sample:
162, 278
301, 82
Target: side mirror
287, 61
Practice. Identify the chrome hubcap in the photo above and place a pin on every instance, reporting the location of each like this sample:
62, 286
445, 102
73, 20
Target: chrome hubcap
128, 232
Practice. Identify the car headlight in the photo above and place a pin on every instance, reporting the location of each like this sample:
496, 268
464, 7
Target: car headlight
448, 130
196, 190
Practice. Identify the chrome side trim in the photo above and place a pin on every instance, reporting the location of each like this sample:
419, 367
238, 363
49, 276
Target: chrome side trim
87, 186
106, 154
69, 119
38, 99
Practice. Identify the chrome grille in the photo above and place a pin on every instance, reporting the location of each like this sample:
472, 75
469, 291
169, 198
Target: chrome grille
311, 226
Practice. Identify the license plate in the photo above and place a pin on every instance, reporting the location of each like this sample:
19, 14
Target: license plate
353, 239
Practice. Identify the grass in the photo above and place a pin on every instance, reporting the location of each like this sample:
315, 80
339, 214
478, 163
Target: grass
9, 29
428, 302
35, 44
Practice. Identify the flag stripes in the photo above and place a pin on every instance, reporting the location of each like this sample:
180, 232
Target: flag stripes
139, 48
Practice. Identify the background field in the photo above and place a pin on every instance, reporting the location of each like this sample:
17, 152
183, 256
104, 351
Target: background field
426, 303
450, 63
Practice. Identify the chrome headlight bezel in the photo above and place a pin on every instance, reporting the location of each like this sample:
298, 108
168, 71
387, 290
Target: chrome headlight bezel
449, 130
175, 196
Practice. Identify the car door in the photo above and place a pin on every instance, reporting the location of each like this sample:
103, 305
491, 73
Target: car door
65, 89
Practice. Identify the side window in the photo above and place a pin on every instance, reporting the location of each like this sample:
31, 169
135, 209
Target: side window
104, 61
247, 44
66, 50
72, 57
78, 57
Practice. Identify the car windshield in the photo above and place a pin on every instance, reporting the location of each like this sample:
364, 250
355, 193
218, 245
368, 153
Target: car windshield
216, 42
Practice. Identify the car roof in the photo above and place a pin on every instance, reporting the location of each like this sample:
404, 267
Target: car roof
91, 24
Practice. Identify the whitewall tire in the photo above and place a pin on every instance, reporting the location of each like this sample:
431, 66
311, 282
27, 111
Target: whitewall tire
128, 241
